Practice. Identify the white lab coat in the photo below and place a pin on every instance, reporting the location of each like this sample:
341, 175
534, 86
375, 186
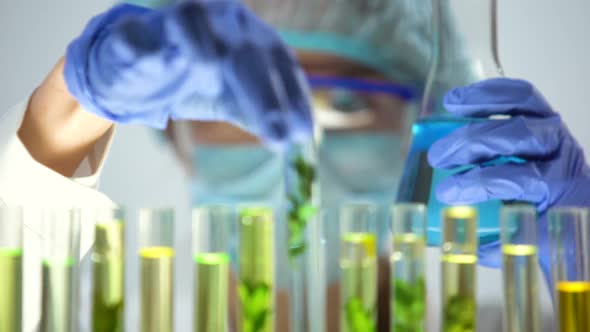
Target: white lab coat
23, 181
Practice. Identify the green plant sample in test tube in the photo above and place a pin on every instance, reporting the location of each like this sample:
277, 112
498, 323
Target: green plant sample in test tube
359, 278
409, 306
212, 275
108, 277
408, 286
10, 289
459, 311
56, 298
256, 270
301, 209
409, 289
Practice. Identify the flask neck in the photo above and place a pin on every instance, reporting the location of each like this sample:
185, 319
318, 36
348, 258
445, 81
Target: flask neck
464, 48
467, 33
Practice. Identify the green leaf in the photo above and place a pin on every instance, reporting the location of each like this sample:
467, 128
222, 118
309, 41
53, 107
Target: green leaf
243, 292
295, 202
301, 209
256, 300
311, 175
409, 306
294, 226
303, 190
297, 250
299, 163
294, 241
260, 320
459, 314
261, 293
357, 318
403, 292
306, 211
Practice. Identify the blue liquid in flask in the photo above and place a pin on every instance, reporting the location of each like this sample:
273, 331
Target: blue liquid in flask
419, 181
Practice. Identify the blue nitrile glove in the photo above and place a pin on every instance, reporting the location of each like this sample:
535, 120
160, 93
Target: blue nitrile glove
206, 60
555, 172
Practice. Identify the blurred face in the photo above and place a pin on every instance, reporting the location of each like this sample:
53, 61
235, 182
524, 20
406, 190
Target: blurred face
386, 111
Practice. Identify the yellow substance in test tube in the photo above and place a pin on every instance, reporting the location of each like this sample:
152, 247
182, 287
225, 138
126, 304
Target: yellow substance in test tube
461, 212
574, 306
10, 289
212, 280
366, 241
520, 287
459, 259
359, 279
519, 249
56, 297
459, 262
157, 289
108, 283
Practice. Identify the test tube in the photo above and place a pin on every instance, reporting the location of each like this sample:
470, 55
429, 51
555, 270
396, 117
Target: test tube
358, 267
256, 269
519, 252
156, 252
570, 264
407, 267
211, 230
459, 260
301, 190
108, 270
11, 258
61, 231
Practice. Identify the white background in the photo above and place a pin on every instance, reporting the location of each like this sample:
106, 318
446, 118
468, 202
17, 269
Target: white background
544, 41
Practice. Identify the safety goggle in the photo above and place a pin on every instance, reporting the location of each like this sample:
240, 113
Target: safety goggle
401, 91
342, 102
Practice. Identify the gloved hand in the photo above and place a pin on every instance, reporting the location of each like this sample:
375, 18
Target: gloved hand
206, 60
555, 172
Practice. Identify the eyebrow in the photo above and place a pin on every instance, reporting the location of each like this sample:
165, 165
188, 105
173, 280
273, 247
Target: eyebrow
342, 69
335, 65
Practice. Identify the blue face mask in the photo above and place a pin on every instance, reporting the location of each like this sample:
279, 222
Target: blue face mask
149, 3
360, 165
235, 174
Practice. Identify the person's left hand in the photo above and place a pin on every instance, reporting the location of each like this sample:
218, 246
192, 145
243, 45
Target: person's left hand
555, 172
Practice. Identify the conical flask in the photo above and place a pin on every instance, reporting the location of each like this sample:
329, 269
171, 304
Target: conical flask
464, 51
